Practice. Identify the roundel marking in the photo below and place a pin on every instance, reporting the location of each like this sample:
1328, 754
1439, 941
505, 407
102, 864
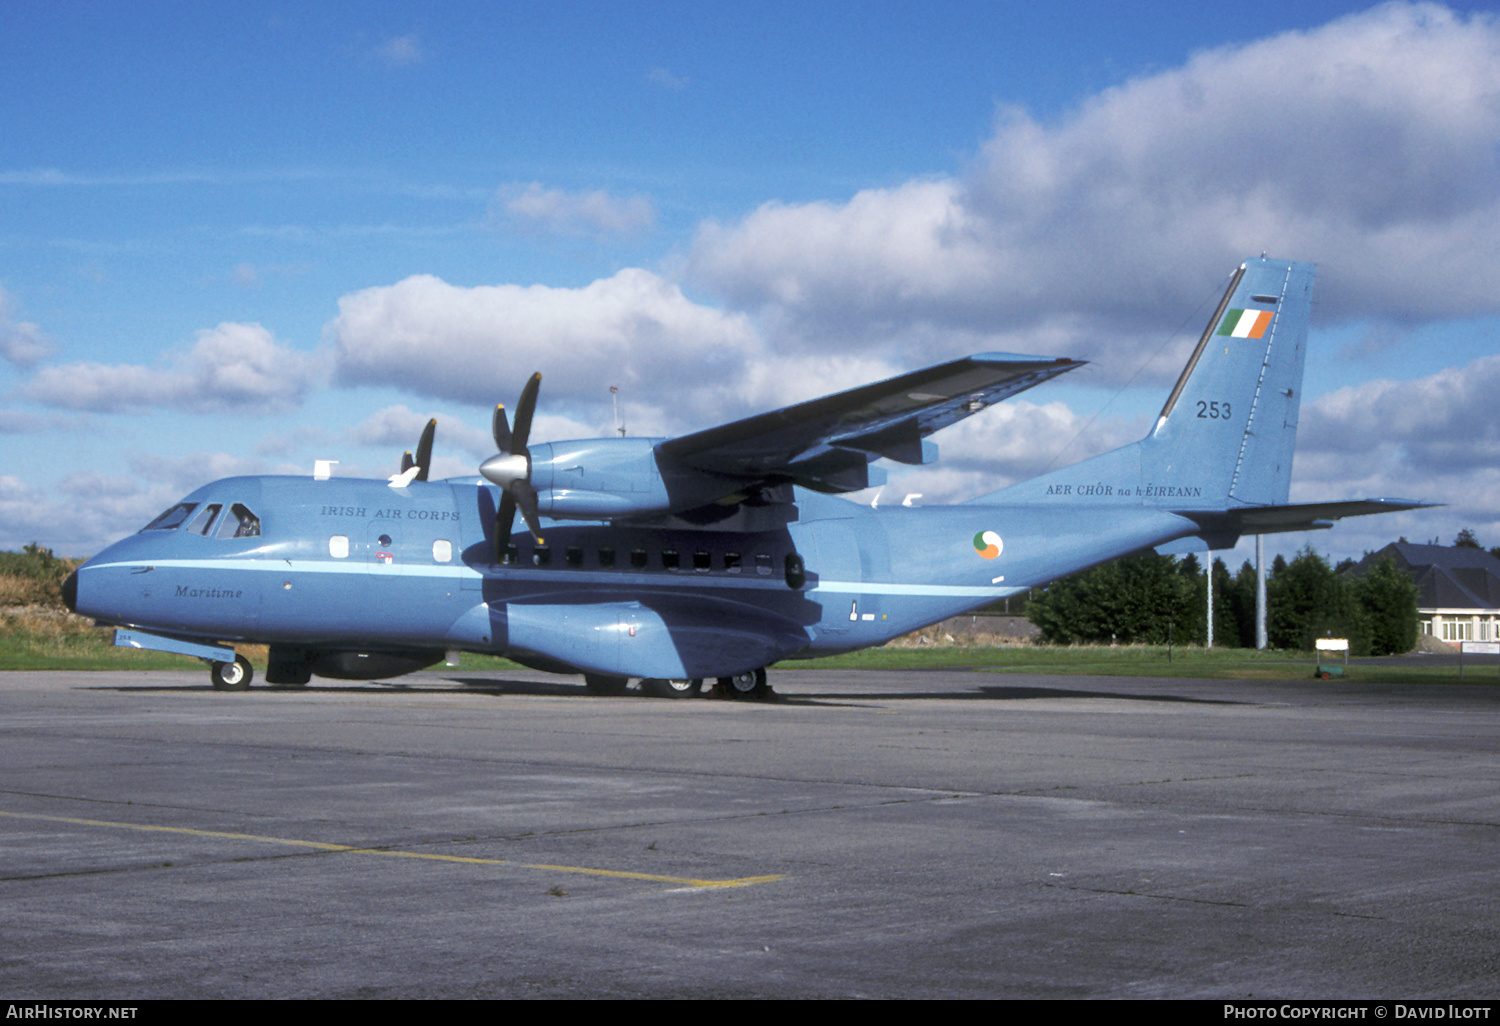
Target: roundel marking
988, 544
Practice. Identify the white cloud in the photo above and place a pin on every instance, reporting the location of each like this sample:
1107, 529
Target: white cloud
480, 344
1369, 145
1445, 420
234, 366
21, 342
573, 213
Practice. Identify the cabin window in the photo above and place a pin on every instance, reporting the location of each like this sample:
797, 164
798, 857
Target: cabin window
541, 556
732, 562
606, 559
637, 559
574, 556
670, 560
338, 546
239, 523
702, 562
172, 518
442, 551
763, 564
205, 519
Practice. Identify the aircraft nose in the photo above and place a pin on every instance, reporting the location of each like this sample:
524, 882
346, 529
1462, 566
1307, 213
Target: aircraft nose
70, 591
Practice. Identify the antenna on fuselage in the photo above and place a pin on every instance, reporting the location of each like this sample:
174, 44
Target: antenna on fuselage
614, 397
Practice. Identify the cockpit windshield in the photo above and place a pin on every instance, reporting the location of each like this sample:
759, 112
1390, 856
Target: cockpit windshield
172, 518
239, 522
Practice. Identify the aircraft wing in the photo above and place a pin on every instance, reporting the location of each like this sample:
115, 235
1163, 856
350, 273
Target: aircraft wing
828, 443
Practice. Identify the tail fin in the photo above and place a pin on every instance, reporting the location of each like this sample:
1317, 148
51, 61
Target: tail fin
1226, 434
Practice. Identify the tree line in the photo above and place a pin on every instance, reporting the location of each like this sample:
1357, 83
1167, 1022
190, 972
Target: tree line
1150, 598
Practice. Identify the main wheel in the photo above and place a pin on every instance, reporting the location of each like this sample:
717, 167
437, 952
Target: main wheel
598, 684
750, 684
657, 687
235, 676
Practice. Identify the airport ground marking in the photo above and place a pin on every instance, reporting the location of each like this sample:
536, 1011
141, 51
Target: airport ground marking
346, 849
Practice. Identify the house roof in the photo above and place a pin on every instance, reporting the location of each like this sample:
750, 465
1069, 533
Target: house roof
1446, 577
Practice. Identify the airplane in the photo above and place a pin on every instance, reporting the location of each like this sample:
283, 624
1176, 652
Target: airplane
715, 554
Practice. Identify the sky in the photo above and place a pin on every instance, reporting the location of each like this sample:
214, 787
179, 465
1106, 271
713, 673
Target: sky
239, 238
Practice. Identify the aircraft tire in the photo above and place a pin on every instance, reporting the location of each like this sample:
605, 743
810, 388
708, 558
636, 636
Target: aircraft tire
748, 685
657, 687
235, 676
599, 684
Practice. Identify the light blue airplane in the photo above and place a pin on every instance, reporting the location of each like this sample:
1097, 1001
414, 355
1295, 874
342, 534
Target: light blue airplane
716, 554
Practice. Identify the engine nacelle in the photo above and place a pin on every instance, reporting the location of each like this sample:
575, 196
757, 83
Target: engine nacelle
601, 478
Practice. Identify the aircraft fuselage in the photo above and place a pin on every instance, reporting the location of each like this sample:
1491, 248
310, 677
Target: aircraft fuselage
355, 565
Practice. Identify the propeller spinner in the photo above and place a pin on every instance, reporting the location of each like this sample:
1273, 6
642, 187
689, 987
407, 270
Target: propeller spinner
511, 469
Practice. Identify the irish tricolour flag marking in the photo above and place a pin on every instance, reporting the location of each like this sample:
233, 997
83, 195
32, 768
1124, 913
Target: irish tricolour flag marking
1245, 323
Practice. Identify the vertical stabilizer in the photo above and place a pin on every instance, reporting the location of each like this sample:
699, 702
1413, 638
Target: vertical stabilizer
1228, 430
1225, 436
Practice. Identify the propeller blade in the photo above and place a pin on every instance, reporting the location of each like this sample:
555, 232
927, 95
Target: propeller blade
526, 499
503, 521
406, 461
524, 409
424, 450
501, 427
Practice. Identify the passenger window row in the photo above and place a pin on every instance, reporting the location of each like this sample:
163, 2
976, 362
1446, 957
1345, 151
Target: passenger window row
607, 558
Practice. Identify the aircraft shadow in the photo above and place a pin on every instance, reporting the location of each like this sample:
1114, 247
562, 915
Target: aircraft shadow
495, 687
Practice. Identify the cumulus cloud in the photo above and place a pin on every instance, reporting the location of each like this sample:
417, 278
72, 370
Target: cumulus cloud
1431, 439
480, 344
1445, 420
21, 342
233, 366
1368, 145
573, 213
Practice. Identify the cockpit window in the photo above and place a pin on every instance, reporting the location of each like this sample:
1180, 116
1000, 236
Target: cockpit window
205, 519
239, 522
172, 518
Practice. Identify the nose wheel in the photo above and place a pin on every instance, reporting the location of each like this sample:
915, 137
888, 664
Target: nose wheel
235, 676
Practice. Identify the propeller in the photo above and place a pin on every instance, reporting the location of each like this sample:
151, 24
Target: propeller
416, 468
511, 469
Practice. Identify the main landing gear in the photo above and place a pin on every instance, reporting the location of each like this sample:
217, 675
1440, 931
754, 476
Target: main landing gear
750, 686
658, 687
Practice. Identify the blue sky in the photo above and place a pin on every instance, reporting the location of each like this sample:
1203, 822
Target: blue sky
236, 240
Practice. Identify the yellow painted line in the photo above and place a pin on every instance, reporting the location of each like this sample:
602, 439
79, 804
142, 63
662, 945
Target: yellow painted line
745, 881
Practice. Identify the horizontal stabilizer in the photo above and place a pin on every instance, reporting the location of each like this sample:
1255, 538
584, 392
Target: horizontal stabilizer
1224, 528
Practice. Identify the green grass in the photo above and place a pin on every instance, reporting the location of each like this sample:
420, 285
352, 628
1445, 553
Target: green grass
1140, 661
